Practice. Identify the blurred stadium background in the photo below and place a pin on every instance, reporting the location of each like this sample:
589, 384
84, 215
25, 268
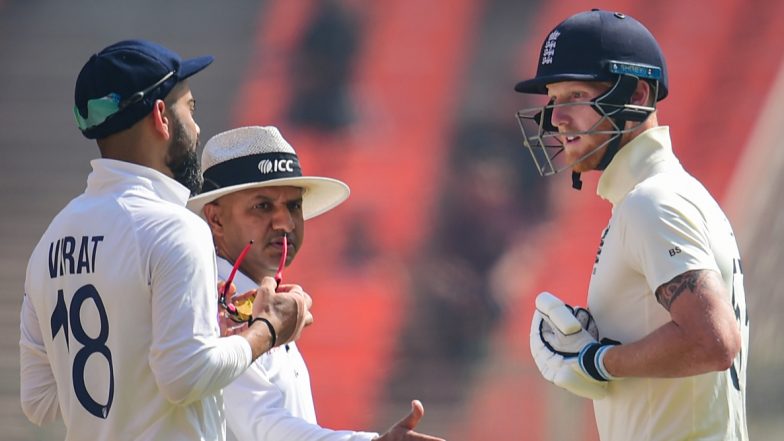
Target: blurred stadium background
423, 280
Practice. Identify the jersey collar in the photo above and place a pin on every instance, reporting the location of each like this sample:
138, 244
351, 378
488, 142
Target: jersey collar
110, 171
644, 156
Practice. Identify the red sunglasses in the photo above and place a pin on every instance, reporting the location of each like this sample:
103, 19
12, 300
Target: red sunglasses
241, 310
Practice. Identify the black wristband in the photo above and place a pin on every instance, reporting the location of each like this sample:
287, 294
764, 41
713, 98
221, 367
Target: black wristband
269, 325
589, 359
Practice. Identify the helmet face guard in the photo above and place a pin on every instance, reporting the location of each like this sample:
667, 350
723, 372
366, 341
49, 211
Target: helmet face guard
543, 139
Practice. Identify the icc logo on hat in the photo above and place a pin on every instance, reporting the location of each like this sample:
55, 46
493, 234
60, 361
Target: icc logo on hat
275, 166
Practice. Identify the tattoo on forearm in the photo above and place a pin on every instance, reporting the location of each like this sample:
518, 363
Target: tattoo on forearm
667, 293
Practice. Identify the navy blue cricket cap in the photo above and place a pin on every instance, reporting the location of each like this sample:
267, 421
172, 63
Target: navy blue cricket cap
598, 45
119, 85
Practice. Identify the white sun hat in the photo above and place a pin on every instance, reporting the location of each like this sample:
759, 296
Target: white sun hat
253, 157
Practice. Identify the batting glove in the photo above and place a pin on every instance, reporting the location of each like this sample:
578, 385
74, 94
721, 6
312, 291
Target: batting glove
565, 347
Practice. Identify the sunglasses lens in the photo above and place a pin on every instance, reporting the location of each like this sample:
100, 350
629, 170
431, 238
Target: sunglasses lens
244, 308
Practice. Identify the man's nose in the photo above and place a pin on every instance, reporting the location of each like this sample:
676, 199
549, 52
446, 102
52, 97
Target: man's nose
283, 220
558, 116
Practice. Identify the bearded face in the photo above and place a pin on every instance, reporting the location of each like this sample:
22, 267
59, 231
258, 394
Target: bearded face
182, 159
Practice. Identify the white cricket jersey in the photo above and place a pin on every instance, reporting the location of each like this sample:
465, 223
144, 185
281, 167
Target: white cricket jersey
272, 401
664, 223
118, 330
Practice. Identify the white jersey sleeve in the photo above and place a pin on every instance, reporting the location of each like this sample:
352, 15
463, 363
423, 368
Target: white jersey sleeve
665, 235
187, 360
38, 387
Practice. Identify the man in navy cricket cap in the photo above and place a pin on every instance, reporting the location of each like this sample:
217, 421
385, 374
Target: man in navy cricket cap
118, 325
662, 347
132, 81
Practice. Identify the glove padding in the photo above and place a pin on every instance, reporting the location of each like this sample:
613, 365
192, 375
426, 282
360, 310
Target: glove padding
565, 347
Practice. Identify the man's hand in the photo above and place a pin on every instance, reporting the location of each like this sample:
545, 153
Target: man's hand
404, 429
565, 347
288, 309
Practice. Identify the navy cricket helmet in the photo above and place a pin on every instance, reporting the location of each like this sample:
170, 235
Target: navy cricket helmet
598, 46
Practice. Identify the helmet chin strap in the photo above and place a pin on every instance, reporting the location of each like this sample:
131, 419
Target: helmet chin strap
609, 154
612, 148
614, 103
577, 183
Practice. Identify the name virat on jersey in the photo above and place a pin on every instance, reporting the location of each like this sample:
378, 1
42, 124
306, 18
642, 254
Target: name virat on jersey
65, 258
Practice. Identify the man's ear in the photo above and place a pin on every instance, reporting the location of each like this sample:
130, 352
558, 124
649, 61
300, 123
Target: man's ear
642, 94
212, 213
161, 121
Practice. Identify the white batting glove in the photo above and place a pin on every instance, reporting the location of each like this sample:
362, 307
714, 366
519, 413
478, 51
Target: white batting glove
565, 347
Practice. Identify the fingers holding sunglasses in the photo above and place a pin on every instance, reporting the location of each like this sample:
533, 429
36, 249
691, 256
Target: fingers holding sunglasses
229, 326
305, 302
296, 290
288, 310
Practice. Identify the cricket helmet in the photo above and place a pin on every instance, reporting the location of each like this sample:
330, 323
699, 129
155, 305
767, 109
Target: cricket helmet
601, 46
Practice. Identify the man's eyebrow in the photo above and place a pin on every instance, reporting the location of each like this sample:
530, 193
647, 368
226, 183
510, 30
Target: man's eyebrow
294, 199
263, 197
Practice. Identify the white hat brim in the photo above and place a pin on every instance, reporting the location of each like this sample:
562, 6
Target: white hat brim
319, 196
